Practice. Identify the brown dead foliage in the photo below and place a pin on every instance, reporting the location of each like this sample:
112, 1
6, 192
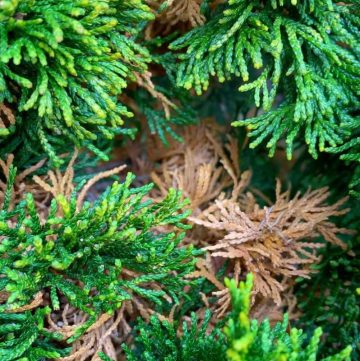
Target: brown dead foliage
277, 243
7, 116
179, 14
106, 334
199, 166
144, 81
176, 15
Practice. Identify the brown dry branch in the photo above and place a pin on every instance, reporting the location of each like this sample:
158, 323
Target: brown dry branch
43, 188
106, 334
57, 183
7, 116
266, 308
275, 244
262, 307
105, 174
49, 186
101, 336
144, 81
194, 137
37, 301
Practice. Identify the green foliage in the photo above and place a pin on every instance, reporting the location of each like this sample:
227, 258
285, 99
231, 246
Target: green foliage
80, 253
64, 64
64, 67
301, 56
182, 114
240, 340
104, 357
351, 152
249, 341
159, 341
328, 299
23, 337
331, 298
162, 126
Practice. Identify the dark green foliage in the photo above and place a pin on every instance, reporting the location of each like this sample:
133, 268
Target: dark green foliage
162, 126
305, 52
331, 299
23, 337
90, 245
159, 123
64, 64
241, 339
158, 341
182, 113
104, 357
351, 152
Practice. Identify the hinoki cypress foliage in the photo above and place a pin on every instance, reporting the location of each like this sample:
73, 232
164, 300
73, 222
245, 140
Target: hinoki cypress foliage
63, 67
91, 244
179, 180
240, 339
305, 52
58, 64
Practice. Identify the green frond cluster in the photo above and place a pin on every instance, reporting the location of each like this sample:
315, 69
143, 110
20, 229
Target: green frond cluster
158, 122
242, 339
159, 341
64, 65
79, 251
301, 56
24, 337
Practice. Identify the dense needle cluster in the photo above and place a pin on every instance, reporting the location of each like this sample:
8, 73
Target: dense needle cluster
306, 50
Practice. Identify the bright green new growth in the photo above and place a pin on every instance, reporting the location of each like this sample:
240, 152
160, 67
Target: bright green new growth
64, 64
305, 52
248, 341
80, 251
241, 339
